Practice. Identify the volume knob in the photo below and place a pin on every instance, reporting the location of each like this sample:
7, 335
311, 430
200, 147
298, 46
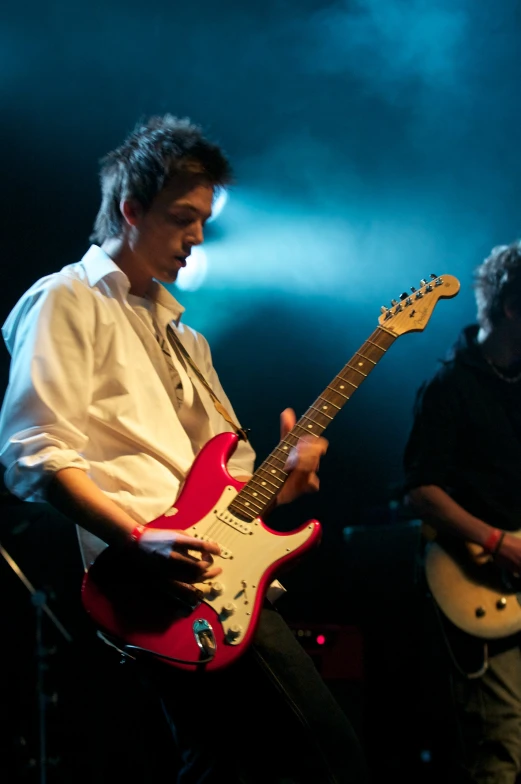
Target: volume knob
217, 588
234, 631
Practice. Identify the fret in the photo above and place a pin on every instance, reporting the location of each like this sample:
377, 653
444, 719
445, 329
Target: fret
304, 430
263, 479
281, 460
247, 505
367, 359
274, 469
331, 404
314, 422
346, 397
357, 370
321, 411
348, 381
259, 493
268, 471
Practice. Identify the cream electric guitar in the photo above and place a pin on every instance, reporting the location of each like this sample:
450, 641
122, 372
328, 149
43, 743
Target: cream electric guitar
212, 624
472, 590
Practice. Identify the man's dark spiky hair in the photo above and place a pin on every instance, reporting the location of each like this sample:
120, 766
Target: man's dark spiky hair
156, 152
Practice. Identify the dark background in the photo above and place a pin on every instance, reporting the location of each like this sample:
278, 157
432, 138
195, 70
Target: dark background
374, 142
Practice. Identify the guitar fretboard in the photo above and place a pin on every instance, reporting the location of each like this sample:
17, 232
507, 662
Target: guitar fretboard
257, 495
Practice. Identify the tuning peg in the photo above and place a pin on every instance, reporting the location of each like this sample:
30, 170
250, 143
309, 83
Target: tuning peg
413, 289
383, 309
394, 302
433, 276
423, 282
404, 295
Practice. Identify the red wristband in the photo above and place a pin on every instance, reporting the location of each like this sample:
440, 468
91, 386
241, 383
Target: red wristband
137, 533
499, 543
493, 541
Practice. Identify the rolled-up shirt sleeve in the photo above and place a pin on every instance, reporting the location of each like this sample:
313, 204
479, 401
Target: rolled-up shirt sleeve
44, 417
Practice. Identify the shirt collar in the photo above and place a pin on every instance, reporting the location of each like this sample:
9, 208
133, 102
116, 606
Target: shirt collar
98, 265
161, 296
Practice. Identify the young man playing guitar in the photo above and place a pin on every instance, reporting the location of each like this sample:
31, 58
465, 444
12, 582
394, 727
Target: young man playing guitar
103, 417
463, 468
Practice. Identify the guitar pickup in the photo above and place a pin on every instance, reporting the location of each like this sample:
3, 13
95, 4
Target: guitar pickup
194, 531
225, 553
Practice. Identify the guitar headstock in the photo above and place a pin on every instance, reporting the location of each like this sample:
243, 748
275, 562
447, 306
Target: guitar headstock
411, 313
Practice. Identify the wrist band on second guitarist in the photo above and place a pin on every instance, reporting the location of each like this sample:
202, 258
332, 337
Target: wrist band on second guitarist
136, 534
494, 541
499, 543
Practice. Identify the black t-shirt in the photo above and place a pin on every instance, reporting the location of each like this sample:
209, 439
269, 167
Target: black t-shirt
466, 436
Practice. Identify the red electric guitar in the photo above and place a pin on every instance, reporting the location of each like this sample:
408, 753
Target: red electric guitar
209, 625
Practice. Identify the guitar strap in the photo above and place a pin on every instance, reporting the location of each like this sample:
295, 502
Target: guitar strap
180, 349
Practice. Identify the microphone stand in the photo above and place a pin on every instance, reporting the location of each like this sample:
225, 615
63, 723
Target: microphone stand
39, 602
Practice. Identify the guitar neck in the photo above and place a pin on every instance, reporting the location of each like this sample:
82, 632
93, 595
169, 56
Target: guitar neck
258, 494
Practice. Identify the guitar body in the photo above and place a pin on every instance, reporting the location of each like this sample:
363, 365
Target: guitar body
136, 607
478, 598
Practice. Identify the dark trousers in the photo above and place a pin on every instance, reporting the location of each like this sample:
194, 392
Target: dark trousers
478, 703
267, 719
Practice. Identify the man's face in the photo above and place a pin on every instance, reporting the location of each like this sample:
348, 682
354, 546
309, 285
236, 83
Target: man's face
162, 237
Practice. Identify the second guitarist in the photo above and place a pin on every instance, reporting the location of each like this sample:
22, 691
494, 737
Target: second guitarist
462, 467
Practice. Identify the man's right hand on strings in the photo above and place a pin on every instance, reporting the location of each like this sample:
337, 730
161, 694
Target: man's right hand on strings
185, 558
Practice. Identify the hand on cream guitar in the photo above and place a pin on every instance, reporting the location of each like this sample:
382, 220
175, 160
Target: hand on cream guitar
473, 590
212, 624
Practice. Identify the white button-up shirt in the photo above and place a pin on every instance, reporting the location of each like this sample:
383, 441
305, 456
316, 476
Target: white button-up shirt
89, 388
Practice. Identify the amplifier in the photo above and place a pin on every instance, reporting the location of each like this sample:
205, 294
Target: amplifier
337, 650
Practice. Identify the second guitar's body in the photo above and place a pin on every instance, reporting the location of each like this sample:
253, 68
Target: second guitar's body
479, 598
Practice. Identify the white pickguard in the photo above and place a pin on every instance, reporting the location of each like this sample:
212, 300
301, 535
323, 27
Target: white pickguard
247, 551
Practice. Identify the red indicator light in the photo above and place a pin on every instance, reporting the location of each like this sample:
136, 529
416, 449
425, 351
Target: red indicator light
321, 639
